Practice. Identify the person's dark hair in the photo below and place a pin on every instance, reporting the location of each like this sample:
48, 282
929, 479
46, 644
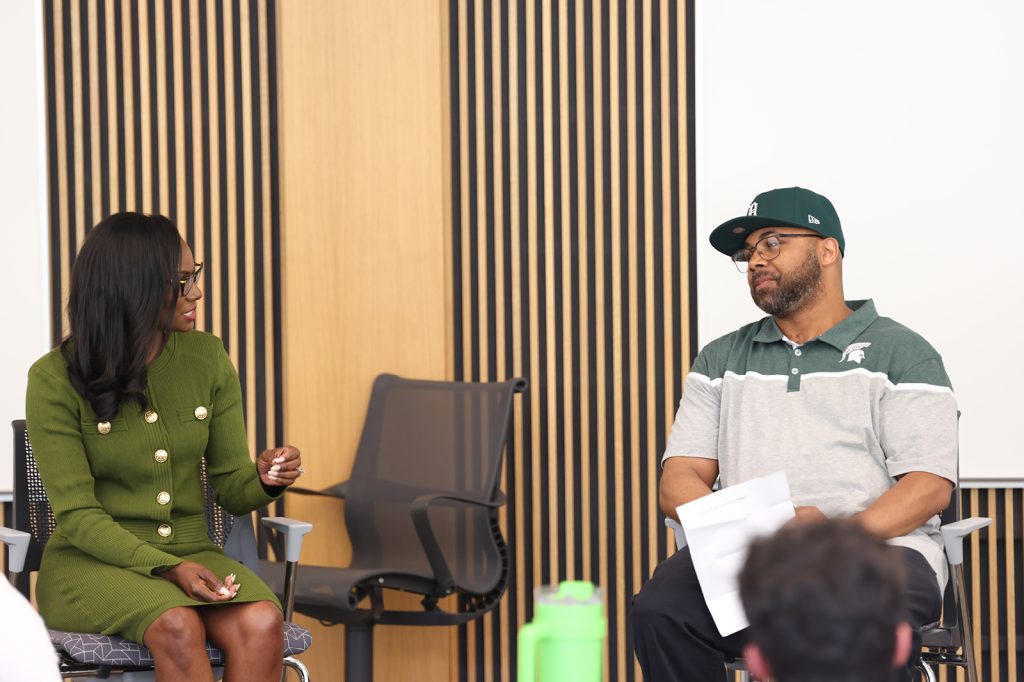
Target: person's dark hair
824, 601
123, 289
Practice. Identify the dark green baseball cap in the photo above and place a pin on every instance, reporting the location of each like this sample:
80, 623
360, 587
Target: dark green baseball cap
790, 207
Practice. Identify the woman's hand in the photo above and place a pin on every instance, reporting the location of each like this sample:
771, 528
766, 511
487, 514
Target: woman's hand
199, 582
280, 466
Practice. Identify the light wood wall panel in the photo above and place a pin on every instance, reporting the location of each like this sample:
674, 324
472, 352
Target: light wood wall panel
167, 106
364, 190
572, 267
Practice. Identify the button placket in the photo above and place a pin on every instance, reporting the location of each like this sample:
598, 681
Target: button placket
794, 371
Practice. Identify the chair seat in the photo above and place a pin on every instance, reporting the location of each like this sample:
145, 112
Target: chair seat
116, 651
332, 587
940, 638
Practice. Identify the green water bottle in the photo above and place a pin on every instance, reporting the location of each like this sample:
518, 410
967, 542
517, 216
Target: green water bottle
565, 641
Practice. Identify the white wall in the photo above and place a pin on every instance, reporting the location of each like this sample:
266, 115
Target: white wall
909, 116
25, 270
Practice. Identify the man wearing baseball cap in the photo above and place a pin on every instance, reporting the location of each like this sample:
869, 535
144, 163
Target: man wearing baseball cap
855, 408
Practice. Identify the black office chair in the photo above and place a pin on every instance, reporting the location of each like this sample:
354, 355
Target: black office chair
95, 655
947, 642
421, 509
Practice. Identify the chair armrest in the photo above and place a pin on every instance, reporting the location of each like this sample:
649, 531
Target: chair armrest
17, 542
435, 556
292, 530
678, 530
953, 536
338, 490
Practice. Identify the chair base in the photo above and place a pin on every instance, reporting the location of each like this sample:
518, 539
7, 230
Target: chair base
359, 652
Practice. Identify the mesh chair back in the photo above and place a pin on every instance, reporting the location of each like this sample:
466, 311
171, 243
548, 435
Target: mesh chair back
33, 514
423, 438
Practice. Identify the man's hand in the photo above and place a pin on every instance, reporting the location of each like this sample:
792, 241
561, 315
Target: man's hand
199, 582
280, 466
808, 515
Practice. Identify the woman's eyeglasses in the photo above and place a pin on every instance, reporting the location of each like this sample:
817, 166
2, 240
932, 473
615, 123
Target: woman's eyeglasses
189, 281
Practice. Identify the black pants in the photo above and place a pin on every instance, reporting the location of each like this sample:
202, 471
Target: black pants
676, 639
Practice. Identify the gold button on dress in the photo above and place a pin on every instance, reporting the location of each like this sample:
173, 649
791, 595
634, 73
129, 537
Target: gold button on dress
160, 455
103, 427
164, 530
163, 498
151, 416
201, 413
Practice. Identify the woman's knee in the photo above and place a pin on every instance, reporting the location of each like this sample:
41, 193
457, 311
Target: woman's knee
262, 620
177, 629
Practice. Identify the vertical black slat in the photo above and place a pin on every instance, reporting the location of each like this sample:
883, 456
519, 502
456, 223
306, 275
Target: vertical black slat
659, 270
186, 112
524, 297
240, 208
574, 294
69, 135
456, 132
510, 626
626, 513
675, 216
172, 135
104, 110
691, 175
472, 220
542, 347
154, 109
981, 647
86, 104
122, 158
609, 550
492, 621
1018, 575
259, 272
222, 154
56, 289
1001, 578
133, 13
275, 229
212, 282
456, 233
473, 223
643, 453
590, 183
607, 314
560, 481
489, 271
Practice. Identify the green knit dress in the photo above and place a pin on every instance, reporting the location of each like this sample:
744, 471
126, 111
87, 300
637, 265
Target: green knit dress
127, 493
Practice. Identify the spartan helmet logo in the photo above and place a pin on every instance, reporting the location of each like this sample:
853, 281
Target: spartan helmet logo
854, 352
752, 209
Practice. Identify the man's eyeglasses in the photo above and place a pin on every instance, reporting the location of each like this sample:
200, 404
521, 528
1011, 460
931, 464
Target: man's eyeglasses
767, 247
189, 281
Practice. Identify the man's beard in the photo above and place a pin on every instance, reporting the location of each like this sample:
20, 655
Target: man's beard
792, 292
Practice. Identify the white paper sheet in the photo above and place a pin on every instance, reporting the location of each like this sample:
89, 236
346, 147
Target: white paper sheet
719, 528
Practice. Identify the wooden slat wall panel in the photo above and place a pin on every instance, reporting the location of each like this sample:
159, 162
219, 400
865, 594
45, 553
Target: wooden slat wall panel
572, 268
994, 575
169, 107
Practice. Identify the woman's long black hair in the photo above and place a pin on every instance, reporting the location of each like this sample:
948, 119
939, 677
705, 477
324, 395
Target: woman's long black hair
124, 285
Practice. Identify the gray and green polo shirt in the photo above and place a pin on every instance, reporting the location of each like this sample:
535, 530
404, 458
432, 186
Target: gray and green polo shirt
843, 415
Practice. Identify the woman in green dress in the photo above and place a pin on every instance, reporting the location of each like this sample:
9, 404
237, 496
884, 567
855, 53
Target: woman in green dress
120, 417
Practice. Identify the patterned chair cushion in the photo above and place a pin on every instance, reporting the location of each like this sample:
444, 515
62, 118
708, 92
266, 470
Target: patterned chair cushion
117, 651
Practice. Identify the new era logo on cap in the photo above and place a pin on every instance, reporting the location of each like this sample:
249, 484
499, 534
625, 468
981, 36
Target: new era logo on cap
812, 220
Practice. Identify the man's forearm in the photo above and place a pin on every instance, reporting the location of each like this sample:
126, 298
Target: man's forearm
914, 499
